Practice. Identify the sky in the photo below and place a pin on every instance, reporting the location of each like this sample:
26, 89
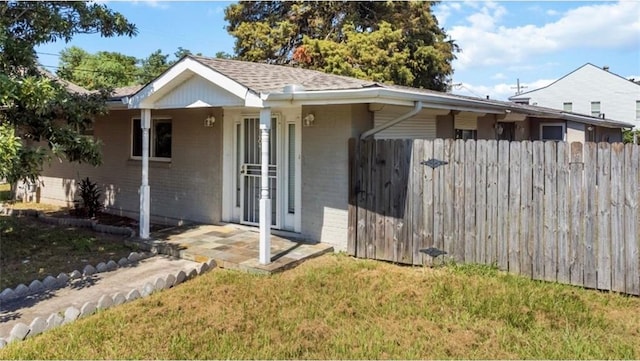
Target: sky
502, 42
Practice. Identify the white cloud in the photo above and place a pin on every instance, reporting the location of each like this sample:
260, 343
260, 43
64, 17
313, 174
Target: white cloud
153, 3
215, 11
603, 26
442, 13
501, 91
499, 76
552, 12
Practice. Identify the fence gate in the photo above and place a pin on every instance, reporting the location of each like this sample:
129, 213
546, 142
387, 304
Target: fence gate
548, 210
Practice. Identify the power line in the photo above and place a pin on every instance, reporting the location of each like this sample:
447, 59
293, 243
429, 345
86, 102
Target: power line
89, 70
43, 53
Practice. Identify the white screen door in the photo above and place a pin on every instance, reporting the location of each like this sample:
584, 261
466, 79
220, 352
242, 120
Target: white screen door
250, 171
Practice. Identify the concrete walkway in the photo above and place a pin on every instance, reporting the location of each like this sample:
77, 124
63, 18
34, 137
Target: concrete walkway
89, 289
182, 248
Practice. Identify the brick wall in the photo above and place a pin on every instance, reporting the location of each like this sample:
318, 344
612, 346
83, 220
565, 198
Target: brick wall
325, 170
187, 188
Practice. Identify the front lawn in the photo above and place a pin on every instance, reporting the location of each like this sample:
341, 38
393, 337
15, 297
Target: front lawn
337, 307
30, 250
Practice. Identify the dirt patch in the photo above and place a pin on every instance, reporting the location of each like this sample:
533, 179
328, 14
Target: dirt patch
33, 250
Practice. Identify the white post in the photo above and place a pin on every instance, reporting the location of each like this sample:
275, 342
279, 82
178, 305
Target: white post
145, 124
265, 202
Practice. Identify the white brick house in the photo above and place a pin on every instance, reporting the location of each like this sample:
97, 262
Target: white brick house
589, 90
204, 160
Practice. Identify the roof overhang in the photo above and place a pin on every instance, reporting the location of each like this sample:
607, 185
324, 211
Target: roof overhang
380, 95
185, 69
557, 114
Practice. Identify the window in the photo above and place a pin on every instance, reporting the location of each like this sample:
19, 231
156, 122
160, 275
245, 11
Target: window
595, 109
567, 107
637, 110
552, 131
159, 139
466, 134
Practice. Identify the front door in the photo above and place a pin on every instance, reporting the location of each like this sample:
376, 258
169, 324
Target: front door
249, 156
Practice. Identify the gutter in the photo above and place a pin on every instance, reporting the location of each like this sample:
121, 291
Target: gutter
416, 109
383, 94
596, 121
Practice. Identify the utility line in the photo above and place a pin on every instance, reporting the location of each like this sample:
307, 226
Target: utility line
89, 70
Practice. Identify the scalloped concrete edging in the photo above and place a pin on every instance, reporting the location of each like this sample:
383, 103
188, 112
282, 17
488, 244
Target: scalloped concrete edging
50, 283
73, 222
22, 331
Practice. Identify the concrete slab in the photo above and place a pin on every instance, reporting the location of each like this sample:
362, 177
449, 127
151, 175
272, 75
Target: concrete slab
239, 248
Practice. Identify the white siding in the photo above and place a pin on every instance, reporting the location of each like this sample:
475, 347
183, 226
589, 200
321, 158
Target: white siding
466, 121
617, 96
420, 126
198, 92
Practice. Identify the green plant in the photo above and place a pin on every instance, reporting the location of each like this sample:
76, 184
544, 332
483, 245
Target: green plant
628, 135
90, 195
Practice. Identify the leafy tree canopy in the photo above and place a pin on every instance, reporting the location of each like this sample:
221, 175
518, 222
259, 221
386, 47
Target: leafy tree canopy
109, 70
394, 41
102, 70
39, 114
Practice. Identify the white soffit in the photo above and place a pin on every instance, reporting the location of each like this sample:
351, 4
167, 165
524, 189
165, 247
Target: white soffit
198, 92
182, 72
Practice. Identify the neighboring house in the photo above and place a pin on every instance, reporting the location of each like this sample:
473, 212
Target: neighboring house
589, 90
205, 119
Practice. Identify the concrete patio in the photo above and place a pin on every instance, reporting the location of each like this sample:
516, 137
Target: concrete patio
234, 247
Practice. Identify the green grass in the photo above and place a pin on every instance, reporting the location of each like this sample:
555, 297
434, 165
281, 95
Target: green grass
5, 191
336, 307
30, 250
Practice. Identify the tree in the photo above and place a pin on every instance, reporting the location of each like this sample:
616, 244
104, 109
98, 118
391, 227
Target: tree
39, 115
108, 70
152, 66
398, 42
102, 70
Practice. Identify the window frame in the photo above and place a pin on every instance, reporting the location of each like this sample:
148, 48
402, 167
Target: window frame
567, 106
473, 132
564, 131
152, 139
597, 114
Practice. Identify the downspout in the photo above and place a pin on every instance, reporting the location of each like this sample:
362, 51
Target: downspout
416, 109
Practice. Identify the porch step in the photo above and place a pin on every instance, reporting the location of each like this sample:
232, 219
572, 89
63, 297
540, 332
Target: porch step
235, 248
247, 261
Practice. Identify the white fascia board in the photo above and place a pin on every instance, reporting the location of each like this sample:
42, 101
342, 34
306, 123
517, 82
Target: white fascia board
147, 96
380, 95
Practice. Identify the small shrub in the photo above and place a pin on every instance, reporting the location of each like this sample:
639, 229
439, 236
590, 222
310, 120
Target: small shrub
90, 195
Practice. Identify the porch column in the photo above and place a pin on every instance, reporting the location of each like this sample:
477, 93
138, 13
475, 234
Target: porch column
265, 202
145, 124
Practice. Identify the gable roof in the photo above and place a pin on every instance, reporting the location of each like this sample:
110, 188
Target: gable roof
260, 84
523, 95
267, 78
71, 87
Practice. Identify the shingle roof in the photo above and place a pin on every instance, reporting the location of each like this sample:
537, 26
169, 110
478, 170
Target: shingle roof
125, 91
74, 88
265, 78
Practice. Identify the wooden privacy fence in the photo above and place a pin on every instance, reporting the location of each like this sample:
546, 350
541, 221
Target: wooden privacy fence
548, 210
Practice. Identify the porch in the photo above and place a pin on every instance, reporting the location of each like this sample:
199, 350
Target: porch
234, 246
